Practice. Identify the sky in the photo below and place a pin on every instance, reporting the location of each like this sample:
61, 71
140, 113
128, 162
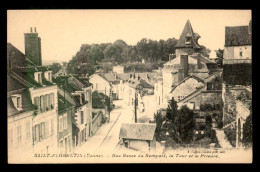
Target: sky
62, 32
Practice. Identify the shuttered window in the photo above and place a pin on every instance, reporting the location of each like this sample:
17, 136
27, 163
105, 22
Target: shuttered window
37, 133
41, 104
47, 129
45, 102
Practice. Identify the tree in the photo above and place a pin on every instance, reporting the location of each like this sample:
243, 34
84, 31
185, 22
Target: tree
172, 110
186, 124
220, 53
205, 51
55, 67
159, 121
248, 131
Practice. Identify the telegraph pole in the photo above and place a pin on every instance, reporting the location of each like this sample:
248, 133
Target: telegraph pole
135, 109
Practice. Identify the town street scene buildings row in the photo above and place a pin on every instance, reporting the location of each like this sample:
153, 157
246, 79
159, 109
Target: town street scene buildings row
67, 113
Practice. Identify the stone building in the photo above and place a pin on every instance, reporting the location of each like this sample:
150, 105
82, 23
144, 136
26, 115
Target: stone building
188, 61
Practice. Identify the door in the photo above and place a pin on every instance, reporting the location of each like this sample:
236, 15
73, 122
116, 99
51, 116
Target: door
66, 144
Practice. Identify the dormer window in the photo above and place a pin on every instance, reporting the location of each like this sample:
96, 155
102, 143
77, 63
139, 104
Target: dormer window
38, 77
17, 101
48, 76
188, 39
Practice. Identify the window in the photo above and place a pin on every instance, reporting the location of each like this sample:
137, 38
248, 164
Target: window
18, 102
52, 126
42, 128
188, 40
61, 145
41, 104
47, 129
10, 138
241, 54
60, 123
37, 103
82, 117
28, 131
39, 78
45, 102
65, 121
19, 135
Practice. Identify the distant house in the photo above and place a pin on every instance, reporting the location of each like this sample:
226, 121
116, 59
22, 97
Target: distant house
100, 84
138, 136
238, 44
61, 72
118, 69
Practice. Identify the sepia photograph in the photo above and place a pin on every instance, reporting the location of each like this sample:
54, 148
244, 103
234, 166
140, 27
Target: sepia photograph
129, 86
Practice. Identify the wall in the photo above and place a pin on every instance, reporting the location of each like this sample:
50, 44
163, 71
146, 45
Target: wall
48, 116
26, 145
96, 123
100, 84
67, 133
139, 145
186, 88
233, 52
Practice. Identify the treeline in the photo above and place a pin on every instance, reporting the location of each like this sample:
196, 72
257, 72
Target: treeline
119, 52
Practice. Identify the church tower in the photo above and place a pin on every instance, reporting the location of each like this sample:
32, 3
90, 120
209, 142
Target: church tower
33, 47
188, 41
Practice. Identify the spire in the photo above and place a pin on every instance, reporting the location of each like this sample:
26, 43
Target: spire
188, 38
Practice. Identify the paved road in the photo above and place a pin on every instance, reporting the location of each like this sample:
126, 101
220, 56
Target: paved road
107, 137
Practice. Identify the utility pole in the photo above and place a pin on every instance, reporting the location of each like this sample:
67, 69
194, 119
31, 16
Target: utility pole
135, 109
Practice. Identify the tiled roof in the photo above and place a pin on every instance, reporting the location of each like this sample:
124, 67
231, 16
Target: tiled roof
13, 84
140, 131
188, 31
17, 57
26, 102
84, 81
237, 36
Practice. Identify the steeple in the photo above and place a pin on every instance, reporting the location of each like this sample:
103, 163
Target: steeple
188, 38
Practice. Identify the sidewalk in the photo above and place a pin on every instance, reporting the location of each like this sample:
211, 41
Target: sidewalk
222, 139
92, 144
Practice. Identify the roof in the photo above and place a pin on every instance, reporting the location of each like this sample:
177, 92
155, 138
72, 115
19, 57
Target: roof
189, 86
139, 131
237, 36
17, 57
145, 84
111, 77
188, 31
84, 81
26, 102
63, 104
13, 84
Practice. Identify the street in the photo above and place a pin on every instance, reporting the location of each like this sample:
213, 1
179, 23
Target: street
107, 136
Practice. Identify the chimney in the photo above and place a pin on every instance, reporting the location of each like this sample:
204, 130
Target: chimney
35, 29
31, 29
170, 57
185, 64
180, 75
199, 63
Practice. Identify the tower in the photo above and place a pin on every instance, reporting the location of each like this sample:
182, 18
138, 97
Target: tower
33, 47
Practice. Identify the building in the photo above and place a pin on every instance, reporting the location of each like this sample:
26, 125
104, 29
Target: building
188, 61
100, 84
238, 44
237, 79
77, 92
33, 47
66, 111
61, 72
138, 136
42, 93
20, 114
118, 69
